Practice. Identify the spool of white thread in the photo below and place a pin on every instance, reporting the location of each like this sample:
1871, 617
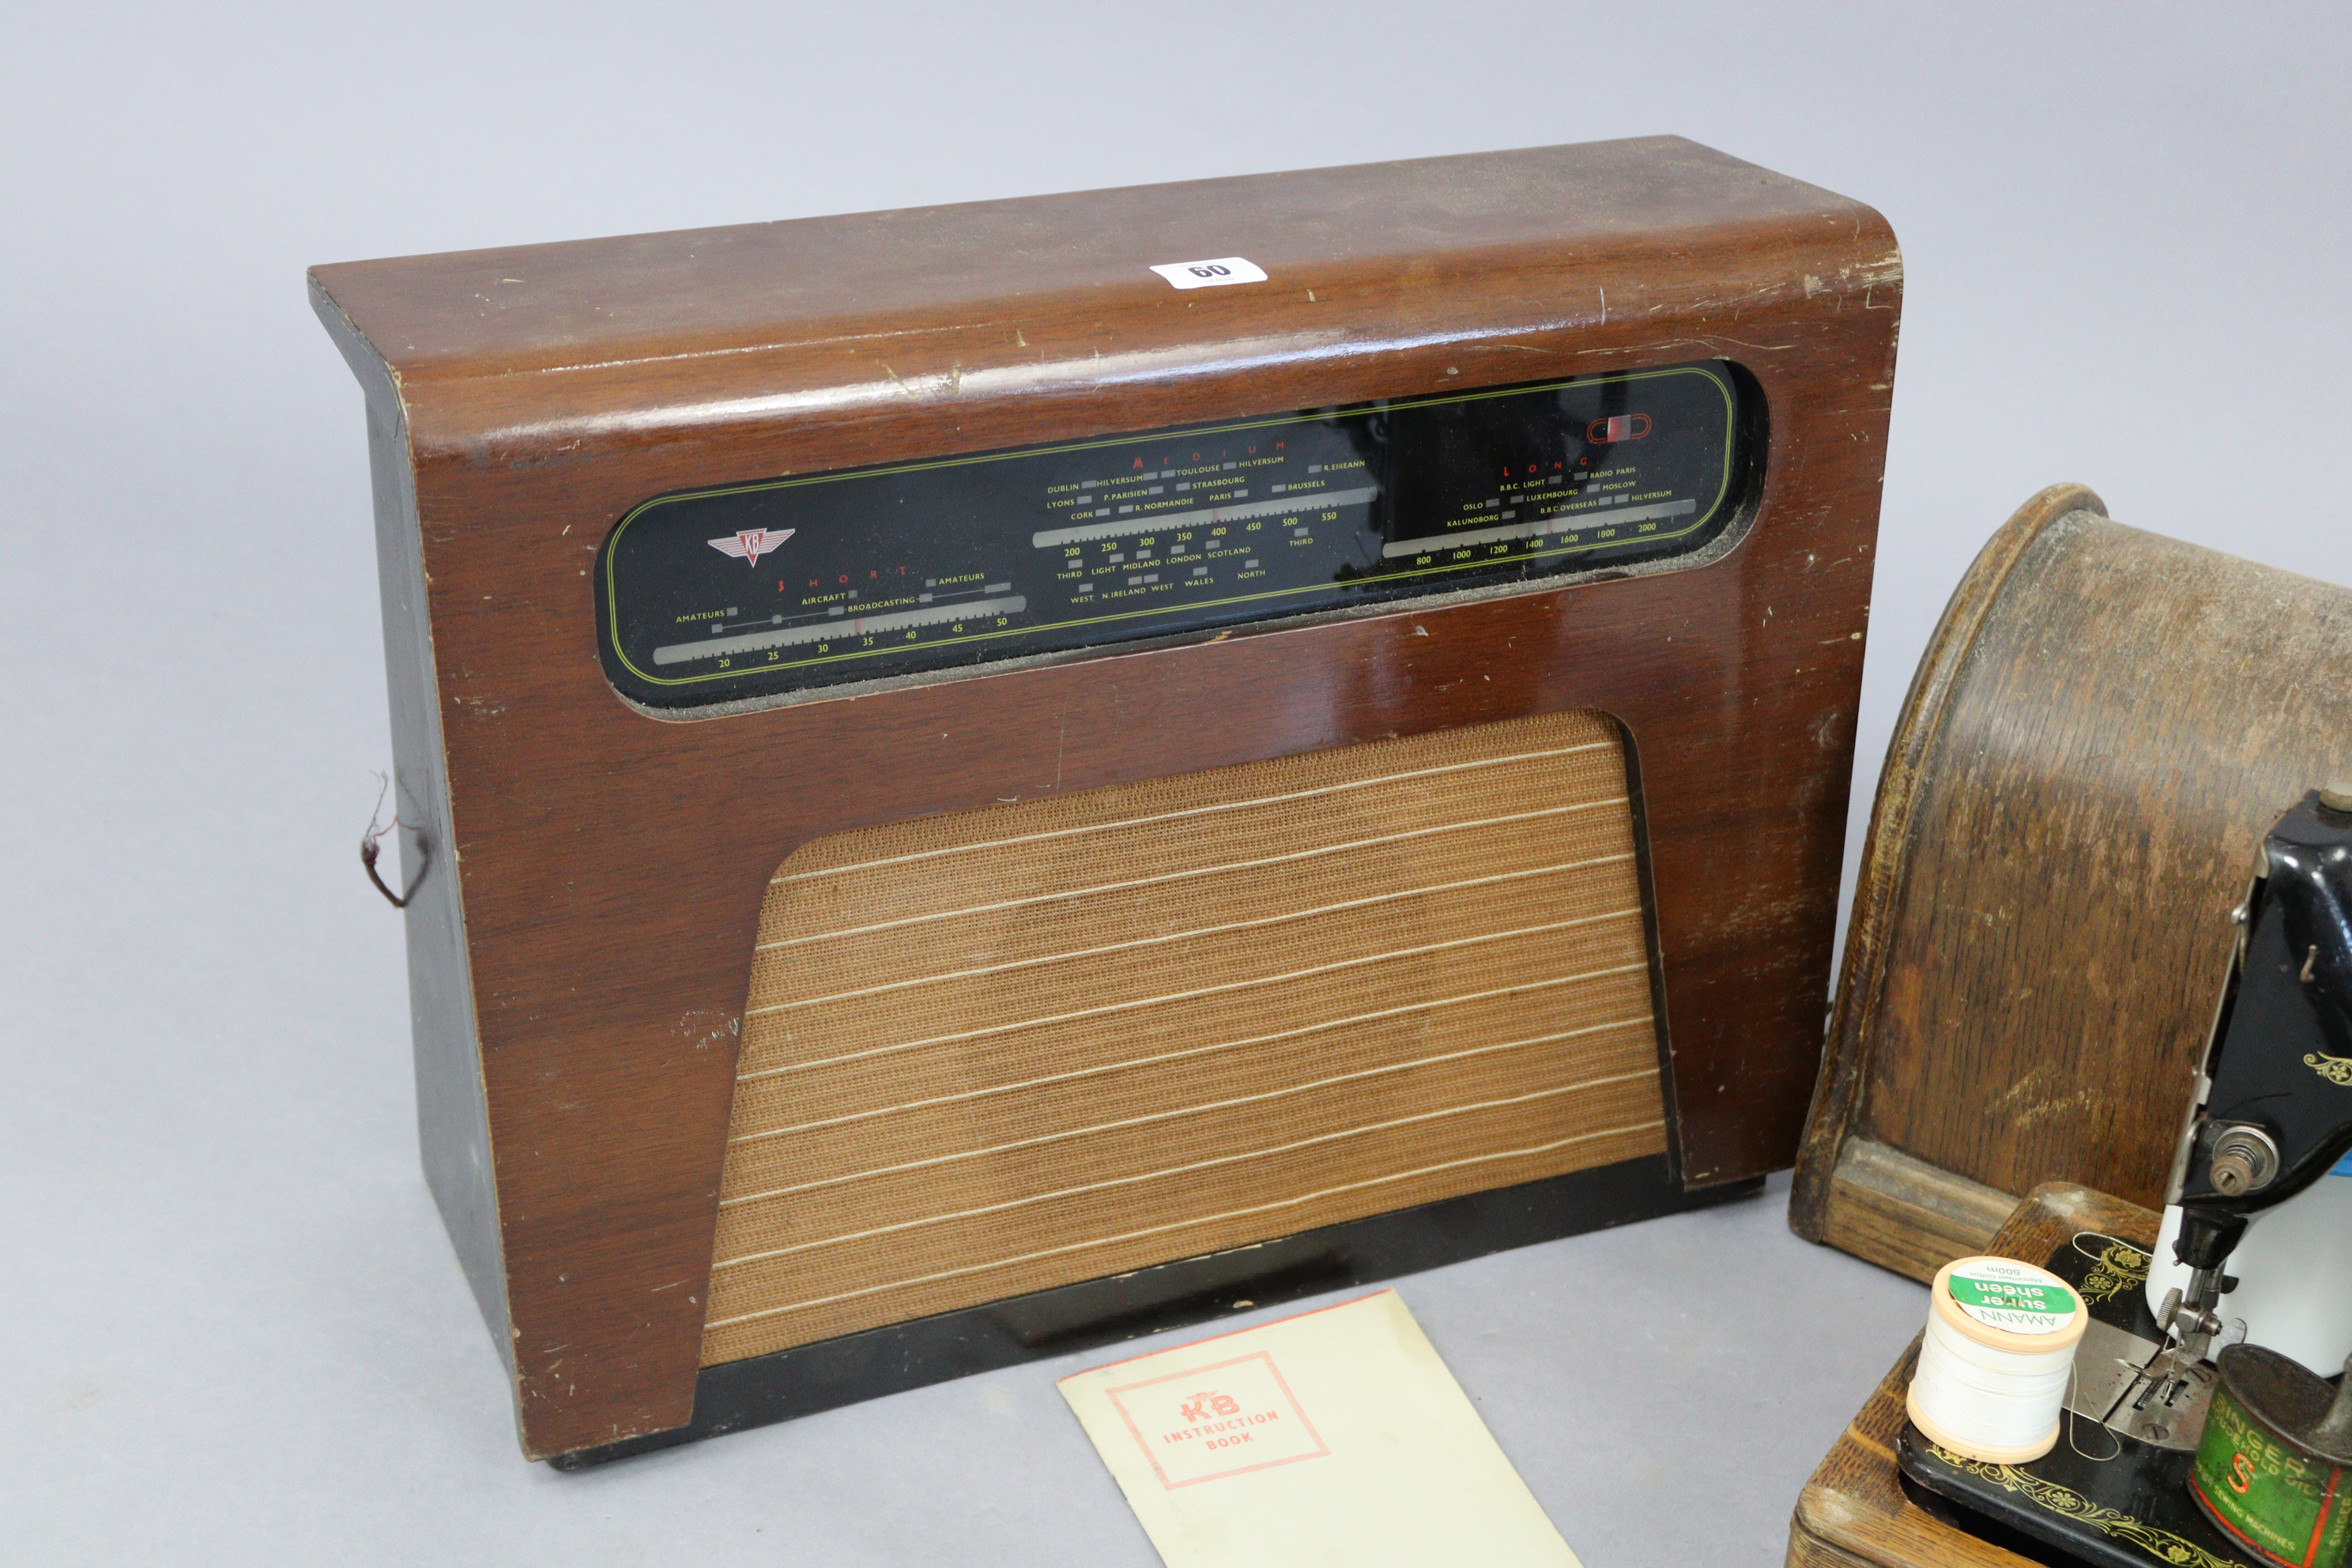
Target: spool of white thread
1996, 1360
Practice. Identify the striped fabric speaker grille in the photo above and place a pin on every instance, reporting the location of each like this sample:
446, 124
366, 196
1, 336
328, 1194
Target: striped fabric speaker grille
994, 1052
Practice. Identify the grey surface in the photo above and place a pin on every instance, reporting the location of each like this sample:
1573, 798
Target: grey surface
230, 1328
346, 1405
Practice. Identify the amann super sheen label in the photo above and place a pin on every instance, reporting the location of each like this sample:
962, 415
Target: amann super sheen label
2011, 1296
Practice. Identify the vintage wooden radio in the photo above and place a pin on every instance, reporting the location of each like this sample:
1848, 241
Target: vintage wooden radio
975, 785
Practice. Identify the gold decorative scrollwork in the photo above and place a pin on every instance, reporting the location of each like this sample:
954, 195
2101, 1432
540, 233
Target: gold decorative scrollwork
2115, 1267
2161, 1544
2334, 1070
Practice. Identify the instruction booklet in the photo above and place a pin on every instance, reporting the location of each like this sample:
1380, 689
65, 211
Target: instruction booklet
1334, 1438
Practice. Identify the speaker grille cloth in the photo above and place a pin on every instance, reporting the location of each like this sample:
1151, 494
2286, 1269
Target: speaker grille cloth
992, 1052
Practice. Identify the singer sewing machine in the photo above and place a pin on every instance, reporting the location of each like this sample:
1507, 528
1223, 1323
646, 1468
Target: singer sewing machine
2270, 1118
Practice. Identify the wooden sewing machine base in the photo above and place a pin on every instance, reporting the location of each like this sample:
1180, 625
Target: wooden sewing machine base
1863, 1507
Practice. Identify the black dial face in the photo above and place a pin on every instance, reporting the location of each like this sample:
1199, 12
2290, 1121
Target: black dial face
777, 586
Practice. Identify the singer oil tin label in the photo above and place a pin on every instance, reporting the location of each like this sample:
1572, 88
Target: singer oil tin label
2287, 1505
1217, 1420
2012, 1296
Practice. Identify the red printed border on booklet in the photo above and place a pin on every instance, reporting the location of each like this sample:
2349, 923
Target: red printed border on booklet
1226, 1419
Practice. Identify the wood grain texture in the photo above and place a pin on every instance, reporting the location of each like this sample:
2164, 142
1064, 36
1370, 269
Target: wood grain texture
1906, 1215
1853, 1510
611, 864
2104, 726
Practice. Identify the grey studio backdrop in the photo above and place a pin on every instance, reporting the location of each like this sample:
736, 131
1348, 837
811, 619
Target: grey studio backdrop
231, 1329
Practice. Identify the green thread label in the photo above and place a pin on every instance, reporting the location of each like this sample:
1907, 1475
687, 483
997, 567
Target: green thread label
2012, 1296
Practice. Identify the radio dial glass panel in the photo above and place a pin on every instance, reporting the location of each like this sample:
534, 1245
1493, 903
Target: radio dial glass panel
764, 589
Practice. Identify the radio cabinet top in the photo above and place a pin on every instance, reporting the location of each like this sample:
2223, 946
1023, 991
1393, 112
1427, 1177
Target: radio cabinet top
602, 753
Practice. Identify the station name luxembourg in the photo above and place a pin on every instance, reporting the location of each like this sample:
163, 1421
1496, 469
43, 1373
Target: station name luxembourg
1221, 1429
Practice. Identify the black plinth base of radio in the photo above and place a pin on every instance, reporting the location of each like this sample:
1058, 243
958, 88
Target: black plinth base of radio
832, 1373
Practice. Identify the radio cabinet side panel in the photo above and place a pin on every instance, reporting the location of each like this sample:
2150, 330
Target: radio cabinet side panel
1745, 805
452, 1107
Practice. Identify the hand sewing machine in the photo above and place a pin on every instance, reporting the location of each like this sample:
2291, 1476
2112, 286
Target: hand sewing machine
2190, 1454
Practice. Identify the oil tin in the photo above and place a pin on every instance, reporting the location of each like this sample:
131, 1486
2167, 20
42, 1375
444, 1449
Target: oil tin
2270, 1467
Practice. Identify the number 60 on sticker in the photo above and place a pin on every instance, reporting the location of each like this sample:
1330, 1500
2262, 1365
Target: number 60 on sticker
1210, 274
